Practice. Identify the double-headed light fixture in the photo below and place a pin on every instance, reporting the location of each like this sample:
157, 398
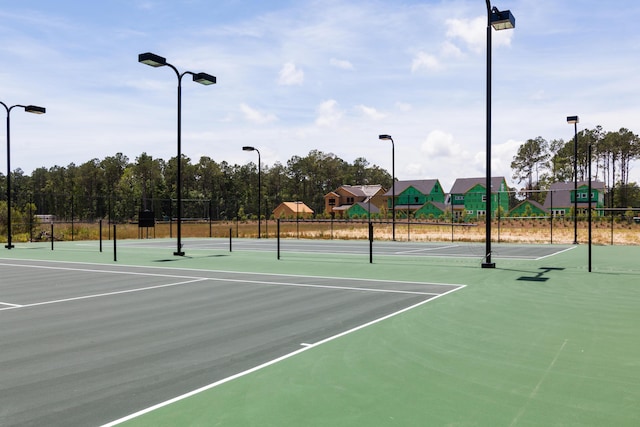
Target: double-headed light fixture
29, 109
155, 61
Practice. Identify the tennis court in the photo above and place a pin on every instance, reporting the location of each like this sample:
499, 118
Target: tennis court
320, 337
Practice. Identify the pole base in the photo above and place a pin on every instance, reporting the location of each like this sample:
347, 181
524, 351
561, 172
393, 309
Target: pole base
179, 253
9, 246
488, 265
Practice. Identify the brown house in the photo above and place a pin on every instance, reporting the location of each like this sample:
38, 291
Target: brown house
339, 201
292, 210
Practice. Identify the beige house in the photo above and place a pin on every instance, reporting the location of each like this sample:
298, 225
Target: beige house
292, 210
341, 200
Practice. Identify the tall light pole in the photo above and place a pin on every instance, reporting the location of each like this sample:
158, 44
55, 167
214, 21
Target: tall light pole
393, 184
29, 109
154, 60
499, 21
574, 120
248, 148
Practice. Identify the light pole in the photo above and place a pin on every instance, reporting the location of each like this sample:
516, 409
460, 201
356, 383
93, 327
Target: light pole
247, 148
574, 120
29, 109
154, 60
393, 184
499, 20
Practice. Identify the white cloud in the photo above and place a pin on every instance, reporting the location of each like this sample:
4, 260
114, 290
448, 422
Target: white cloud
440, 144
426, 61
341, 63
328, 113
404, 107
371, 112
290, 75
255, 116
473, 33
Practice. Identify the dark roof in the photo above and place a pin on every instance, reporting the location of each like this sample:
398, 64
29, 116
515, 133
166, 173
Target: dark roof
422, 185
369, 207
462, 185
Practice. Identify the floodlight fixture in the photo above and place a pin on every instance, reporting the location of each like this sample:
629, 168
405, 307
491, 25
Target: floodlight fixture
499, 21
152, 59
502, 20
385, 137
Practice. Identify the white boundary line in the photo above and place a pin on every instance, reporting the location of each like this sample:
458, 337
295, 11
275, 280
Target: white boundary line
306, 346
127, 291
199, 270
556, 253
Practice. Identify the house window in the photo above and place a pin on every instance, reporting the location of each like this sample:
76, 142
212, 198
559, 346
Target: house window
481, 212
349, 200
415, 200
484, 198
332, 202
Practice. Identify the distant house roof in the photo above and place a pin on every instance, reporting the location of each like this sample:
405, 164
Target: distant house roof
462, 185
362, 190
422, 185
532, 203
562, 193
298, 207
369, 207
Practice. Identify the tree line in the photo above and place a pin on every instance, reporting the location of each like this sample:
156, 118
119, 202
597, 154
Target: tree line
539, 163
118, 188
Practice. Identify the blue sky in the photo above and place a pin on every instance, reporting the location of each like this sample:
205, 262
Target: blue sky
314, 74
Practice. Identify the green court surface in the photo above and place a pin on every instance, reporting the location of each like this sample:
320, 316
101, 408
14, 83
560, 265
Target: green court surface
539, 342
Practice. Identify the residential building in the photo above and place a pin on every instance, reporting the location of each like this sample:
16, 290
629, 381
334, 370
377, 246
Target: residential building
412, 195
292, 210
468, 197
528, 208
561, 195
350, 200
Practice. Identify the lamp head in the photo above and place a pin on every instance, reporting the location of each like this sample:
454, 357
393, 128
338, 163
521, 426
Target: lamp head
35, 109
204, 79
152, 59
502, 20
248, 148
385, 137
572, 120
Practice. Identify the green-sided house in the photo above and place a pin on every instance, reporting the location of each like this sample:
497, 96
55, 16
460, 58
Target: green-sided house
411, 196
561, 196
468, 197
528, 208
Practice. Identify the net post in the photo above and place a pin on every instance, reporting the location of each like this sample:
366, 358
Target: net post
115, 257
278, 236
100, 232
230, 234
51, 235
370, 243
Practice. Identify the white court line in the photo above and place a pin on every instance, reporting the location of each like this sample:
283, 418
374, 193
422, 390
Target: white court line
200, 270
10, 305
306, 346
127, 291
556, 253
427, 249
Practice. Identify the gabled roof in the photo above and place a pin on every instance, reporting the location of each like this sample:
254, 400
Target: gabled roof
462, 185
532, 203
422, 185
362, 190
299, 207
368, 207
